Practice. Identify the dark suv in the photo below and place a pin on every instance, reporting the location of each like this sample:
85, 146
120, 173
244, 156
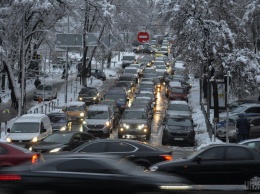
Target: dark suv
135, 121
89, 95
98, 74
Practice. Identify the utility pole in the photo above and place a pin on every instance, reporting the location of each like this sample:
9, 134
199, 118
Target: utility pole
227, 107
66, 68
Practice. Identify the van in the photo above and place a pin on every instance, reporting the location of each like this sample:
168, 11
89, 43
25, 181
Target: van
127, 60
29, 128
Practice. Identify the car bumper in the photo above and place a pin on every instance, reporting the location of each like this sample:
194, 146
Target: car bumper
180, 139
98, 130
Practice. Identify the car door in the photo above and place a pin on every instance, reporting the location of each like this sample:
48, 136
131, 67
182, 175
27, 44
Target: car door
255, 128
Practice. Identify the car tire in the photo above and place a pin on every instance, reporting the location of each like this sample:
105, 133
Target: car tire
164, 142
253, 182
142, 167
119, 136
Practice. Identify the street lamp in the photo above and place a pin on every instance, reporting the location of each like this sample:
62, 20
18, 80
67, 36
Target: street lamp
227, 106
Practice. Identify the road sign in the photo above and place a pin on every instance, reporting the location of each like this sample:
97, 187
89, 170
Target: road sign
143, 37
92, 39
126, 37
69, 40
109, 41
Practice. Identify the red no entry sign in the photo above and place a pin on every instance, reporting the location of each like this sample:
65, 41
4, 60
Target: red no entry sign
143, 37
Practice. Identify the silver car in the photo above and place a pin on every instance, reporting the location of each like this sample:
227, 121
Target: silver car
46, 92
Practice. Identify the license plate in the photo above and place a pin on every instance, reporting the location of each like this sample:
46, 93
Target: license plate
178, 138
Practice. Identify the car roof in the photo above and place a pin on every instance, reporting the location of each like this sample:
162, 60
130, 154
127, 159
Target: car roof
98, 107
127, 75
177, 102
75, 103
134, 108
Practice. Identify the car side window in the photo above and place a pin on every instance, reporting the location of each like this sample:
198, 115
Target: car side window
256, 122
94, 147
236, 153
3, 151
252, 110
83, 165
119, 147
86, 137
213, 154
254, 144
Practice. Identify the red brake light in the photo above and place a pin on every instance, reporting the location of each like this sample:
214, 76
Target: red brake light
10, 177
167, 157
35, 159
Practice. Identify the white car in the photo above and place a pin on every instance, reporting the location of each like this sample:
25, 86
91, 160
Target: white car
46, 92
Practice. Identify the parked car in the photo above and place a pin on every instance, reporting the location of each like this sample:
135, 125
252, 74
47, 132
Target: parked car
76, 110
221, 164
99, 120
13, 155
60, 121
89, 95
178, 131
61, 141
97, 73
46, 92
95, 173
141, 154
254, 143
237, 103
135, 121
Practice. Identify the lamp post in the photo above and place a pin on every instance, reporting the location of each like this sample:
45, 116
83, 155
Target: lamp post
227, 106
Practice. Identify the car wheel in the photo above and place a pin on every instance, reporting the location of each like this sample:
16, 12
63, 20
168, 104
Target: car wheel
141, 167
120, 136
253, 182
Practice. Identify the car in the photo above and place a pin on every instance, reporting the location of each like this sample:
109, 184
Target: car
13, 155
99, 120
232, 131
135, 121
61, 141
254, 143
89, 95
218, 164
241, 109
76, 110
177, 93
178, 108
130, 78
60, 121
127, 85
46, 92
132, 70
178, 131
140, 153
127, 60
113, 106
237, 103
95, 173
97, 73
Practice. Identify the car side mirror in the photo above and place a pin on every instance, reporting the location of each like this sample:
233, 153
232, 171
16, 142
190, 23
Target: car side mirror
8, 130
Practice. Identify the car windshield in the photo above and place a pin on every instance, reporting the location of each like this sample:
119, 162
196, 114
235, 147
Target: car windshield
160, 67
134, 115
129, 58
178, 107
97, 114
88, 92
130, 71
59, 138
117, 97
40, 87
126, 78
239, 109
57, 119
179, 122
75, 108
177, 90
25, 128
123, 84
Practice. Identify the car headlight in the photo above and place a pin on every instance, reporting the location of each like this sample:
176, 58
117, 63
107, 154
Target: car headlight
80, 98
63, 128
107, 123
84, 122
8, 139
81, 114
141, 126
153, 168
94, 98
55, 150
35, 139
126, 126
30, 148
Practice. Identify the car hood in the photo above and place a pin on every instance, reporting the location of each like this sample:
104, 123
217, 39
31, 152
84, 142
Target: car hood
22, 136
180, 129
96, 121
134, 121
86, 96
57, 125
47, 145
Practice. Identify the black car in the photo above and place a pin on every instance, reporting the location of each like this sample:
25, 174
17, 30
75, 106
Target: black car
178, 130
89, 95
61, 141
135, 121
60, 121
221, 164
86, 173
140, 153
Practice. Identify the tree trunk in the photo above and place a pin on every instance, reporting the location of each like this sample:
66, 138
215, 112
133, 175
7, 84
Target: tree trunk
215, 99
109, 56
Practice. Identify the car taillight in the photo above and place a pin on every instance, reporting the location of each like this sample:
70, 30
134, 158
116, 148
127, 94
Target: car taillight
167, 157
35, 159
10, 177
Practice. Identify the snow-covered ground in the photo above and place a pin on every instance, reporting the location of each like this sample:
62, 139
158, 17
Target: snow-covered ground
202, 136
